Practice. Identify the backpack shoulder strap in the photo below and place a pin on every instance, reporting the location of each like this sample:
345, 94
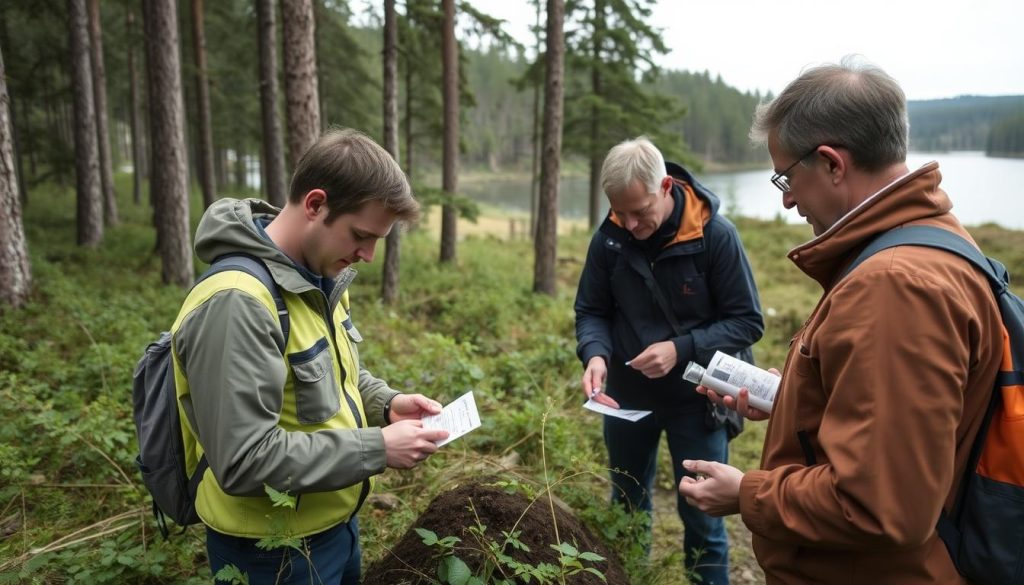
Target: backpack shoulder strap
934, 237
256, 268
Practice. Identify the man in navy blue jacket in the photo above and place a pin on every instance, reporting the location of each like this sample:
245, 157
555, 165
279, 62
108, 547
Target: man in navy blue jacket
664, 231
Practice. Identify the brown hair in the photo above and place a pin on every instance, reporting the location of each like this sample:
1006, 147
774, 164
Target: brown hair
353, 170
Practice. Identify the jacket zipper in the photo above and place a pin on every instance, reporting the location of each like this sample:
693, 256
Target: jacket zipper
328, 316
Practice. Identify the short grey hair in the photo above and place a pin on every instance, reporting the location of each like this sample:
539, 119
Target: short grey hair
629, 161
854, 104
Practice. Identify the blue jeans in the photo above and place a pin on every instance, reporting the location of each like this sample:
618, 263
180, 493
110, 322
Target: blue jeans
633, 458
333, 558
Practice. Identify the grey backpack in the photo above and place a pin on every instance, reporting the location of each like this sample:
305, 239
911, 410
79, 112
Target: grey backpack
161, 456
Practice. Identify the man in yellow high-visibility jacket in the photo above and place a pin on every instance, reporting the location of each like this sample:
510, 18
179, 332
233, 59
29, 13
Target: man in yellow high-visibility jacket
311, 421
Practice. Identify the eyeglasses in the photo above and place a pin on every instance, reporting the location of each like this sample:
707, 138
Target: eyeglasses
780, 179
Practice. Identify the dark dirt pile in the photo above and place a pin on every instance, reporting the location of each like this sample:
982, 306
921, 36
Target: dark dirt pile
450, 515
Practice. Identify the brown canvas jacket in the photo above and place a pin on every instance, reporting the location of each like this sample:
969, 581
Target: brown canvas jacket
882, 393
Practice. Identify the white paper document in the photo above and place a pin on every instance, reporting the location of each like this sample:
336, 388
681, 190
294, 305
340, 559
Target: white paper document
458, 418
630, 415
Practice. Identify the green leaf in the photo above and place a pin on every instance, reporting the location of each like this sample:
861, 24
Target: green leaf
231, 574
566, 549
449, 542
428, 536
280, 499
454, 571
35, 563
277, 541
126, 560
592, 557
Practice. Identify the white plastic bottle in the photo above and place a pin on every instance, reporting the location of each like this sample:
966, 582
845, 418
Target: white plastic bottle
726, 375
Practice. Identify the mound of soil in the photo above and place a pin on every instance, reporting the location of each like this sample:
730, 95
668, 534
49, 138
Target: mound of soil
451, 514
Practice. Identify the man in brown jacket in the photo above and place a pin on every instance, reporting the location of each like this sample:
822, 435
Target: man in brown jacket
887, 381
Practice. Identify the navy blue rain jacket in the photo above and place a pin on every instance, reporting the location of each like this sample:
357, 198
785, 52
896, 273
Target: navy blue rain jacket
703, 273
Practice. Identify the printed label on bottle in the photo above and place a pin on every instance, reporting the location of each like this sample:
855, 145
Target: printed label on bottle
738, 373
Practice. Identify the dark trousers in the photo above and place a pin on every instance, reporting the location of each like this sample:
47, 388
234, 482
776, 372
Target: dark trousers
331, 557
633, 457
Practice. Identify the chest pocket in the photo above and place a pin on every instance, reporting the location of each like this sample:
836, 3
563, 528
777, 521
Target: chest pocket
317, 396
686, 285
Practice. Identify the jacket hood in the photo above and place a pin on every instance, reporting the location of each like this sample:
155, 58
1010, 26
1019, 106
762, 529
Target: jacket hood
678, 172
911, 198
228, 227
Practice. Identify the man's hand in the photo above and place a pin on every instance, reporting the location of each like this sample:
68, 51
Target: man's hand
740, 404
412, 407
593, 382
716, 490
407, 443
657, 360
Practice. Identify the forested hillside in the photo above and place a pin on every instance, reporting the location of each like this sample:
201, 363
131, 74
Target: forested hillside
961, 123
1007, 137
717, 117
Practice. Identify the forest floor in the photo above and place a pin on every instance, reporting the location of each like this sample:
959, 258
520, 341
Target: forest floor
492, 519
498, 513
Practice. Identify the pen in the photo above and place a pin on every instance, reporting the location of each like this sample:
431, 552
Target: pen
628, 362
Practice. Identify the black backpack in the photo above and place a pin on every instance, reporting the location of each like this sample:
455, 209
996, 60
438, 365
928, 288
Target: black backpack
161, 456
984, 532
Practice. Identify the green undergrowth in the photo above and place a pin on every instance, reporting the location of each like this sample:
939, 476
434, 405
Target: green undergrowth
72, 508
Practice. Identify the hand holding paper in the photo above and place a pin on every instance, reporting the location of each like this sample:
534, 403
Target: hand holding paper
458, 418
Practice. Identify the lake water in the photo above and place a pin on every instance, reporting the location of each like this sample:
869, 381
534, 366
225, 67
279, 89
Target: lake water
983, 190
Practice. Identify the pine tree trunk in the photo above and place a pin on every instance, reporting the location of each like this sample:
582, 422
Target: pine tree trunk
120, 136
392, 249
535, 138
205, 138
597, 85
450, 149
300, 81
273, 149
87, 166
546, 244
99, 88
240, 170
220, 165
169, 176
15, 271
134, 110
408, 119
594, 185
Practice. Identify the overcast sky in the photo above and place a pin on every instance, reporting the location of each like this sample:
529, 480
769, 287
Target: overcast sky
935, 49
